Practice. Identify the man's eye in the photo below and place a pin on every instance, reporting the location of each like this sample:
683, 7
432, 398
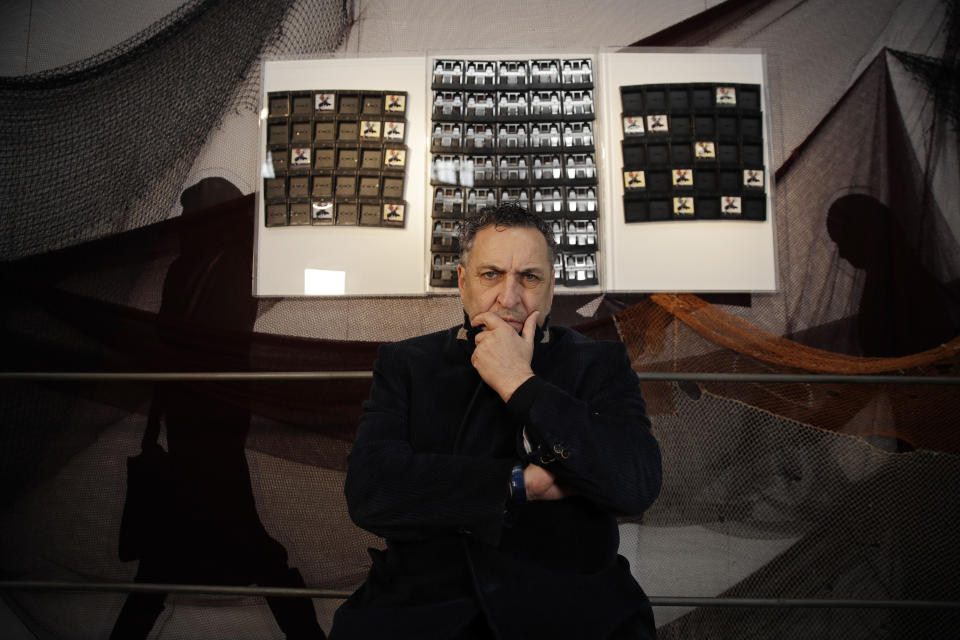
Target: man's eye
531, 277
489, 275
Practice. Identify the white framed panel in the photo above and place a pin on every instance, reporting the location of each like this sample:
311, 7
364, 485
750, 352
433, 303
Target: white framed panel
348, 260
694, 255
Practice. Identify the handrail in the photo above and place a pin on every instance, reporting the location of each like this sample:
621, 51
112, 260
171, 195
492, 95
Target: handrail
332, 594
222, 376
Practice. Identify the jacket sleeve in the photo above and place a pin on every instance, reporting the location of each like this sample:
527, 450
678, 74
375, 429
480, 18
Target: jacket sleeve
596, 438
401, 494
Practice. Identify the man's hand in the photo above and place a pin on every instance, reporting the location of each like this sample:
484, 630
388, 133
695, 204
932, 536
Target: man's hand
540, 484
502, 357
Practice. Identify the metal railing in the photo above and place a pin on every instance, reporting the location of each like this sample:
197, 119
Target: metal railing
656, 601
332, 594
215, 376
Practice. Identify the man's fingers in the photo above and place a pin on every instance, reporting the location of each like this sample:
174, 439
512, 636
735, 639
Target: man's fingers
530, 327
489, 320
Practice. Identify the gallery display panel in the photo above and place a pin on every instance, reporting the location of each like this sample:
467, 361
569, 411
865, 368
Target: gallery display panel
556, 132
701, 248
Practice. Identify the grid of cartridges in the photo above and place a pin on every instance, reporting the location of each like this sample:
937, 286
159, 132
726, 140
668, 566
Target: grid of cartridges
515, 130
692, 152
337, 157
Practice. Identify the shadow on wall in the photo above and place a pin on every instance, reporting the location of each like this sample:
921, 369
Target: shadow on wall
903, 309
190, 515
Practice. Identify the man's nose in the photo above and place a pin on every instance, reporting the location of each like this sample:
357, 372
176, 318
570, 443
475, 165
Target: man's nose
510, 292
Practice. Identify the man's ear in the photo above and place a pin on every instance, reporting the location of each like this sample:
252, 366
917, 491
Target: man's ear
461, 277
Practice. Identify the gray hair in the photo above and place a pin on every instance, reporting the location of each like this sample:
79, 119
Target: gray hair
506, 214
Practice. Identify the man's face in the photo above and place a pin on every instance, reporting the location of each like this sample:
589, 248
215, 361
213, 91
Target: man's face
509, 272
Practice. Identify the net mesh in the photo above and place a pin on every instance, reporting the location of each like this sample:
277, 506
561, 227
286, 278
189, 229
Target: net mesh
105, 144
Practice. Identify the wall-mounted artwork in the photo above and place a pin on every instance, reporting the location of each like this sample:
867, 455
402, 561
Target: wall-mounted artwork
520, 130
692, 152
651, 168
335, 157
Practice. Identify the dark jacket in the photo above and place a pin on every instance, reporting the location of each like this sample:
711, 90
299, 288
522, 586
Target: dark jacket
430, 468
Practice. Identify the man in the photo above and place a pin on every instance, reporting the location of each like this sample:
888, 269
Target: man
494, 457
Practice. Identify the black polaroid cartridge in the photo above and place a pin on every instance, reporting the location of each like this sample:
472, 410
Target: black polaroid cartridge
322, 187
371, 160
579, 235
478, 198
299, 187
580, 269
345, 186
301, 105
299, 213
392, 187
348, 106
324, 132
448, 202
443, 270
324, 158
278, 133
275, 189
278, 105
276, 214
582, 202
348, 213
545, 73
447, 105
480, 73
547, 168
447, 72
577, 72
512, 73
372, 105
445, 236
369, 186
548, 201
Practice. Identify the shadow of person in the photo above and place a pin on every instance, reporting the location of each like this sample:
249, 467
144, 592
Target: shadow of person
200, 524
903, 309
